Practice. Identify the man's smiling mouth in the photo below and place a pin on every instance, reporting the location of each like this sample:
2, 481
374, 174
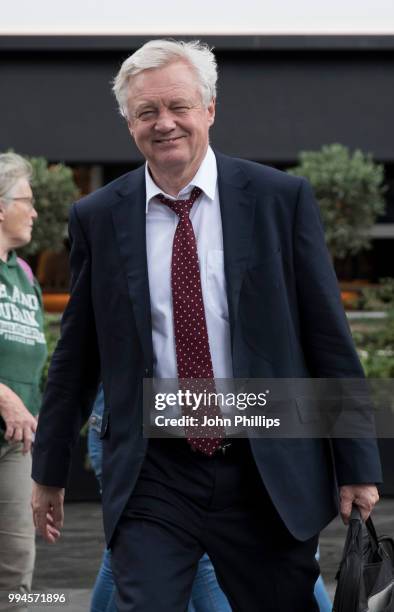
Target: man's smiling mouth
168, 140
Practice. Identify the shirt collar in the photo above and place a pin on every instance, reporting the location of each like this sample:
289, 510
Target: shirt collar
12, 260
205, 178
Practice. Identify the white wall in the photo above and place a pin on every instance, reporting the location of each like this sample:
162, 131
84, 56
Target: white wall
196, 17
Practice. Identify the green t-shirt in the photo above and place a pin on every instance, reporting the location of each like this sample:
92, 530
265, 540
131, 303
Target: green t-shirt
23, 348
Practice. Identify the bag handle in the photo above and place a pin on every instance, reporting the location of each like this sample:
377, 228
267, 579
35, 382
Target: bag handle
355, 515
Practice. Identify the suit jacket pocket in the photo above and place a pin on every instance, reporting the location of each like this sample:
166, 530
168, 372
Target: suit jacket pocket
308, 410
319, 416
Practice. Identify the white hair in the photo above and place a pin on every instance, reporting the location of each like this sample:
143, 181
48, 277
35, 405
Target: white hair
12, 168
158, 53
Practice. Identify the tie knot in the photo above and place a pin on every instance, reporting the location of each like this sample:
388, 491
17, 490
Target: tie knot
181, 207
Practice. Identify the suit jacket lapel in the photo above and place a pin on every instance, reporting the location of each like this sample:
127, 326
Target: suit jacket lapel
237, 206
129, 221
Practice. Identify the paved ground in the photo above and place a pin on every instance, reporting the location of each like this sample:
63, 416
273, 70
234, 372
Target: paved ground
71, 565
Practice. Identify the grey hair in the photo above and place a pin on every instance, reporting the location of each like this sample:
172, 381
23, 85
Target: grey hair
158, 53
12, 168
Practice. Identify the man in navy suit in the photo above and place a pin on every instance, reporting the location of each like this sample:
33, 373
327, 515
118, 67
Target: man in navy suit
246, 272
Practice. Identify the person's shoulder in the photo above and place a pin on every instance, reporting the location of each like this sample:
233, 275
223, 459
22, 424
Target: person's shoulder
265, 178
26, 269
105, 196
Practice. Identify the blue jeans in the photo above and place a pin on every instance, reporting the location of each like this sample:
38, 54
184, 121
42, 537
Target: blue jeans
103, 595
207, 596
321, 595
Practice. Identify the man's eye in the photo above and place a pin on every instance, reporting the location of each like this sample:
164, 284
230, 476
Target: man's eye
180, 109
146, 114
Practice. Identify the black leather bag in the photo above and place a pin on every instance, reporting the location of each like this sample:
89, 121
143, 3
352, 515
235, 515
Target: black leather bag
366, 573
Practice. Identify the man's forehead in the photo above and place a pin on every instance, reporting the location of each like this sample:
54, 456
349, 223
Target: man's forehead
173, 79
168, 94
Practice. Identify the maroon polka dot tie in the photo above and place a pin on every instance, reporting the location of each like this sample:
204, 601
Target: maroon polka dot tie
191, 336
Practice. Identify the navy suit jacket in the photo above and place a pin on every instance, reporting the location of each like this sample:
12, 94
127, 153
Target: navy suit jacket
286, 320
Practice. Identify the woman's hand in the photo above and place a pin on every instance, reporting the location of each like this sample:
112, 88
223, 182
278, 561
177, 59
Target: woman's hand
20, 424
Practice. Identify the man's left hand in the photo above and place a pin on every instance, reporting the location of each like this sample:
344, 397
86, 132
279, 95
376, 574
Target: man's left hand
365, 496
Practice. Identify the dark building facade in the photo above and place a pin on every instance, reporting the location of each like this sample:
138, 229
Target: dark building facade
277, 95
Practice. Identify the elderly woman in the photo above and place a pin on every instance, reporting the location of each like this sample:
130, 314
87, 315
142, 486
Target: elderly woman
22, 356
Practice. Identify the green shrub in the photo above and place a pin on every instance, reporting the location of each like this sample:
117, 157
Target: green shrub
349, 190
378, 298
376, 348
54, 190
52, 333
378, 365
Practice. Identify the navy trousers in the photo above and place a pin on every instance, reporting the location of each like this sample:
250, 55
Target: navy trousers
184, 504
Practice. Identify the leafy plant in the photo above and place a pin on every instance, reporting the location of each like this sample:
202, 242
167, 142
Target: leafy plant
378, 298
54, 190
52, 333
378, 365
349, 190
376, 348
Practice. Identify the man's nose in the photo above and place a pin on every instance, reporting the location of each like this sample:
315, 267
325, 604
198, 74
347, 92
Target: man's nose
165, 122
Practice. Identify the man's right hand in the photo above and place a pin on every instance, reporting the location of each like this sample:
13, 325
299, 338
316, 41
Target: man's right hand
47, 506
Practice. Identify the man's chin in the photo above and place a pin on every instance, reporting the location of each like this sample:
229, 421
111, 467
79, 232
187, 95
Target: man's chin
171, 159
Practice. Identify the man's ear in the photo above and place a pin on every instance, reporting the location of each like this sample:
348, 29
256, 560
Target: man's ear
130, 127
2, 210
211, 109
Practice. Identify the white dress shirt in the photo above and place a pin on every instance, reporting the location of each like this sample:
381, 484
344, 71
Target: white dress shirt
161, 223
